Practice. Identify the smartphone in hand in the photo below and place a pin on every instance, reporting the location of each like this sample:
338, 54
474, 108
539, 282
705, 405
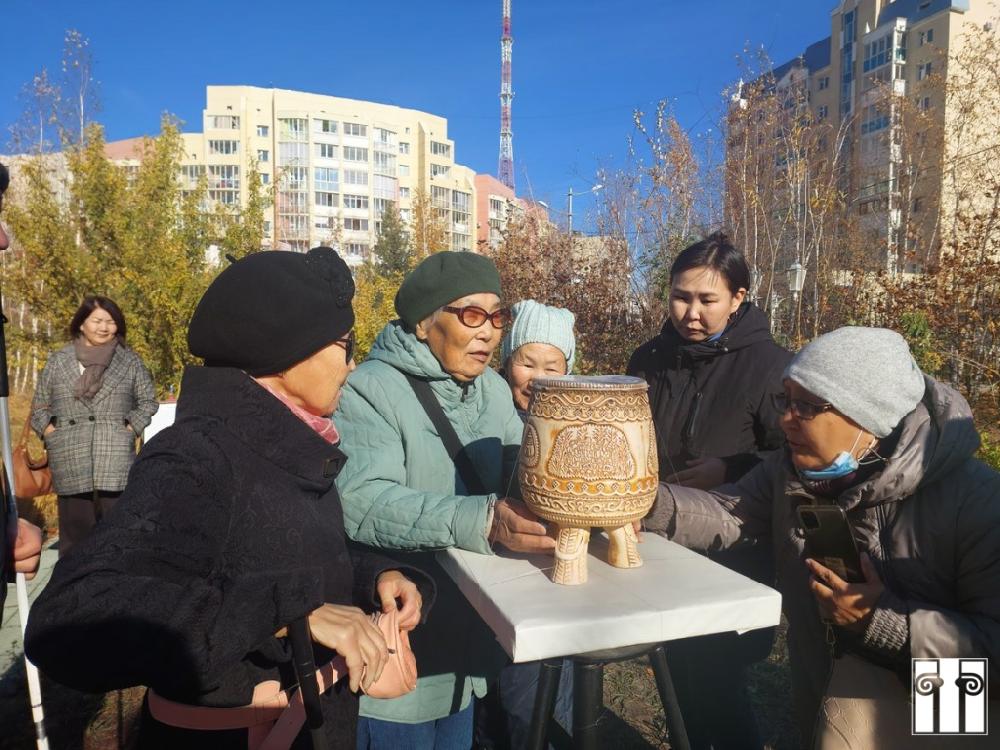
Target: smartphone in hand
830, 541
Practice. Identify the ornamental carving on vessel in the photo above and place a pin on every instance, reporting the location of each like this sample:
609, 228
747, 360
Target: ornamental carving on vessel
588, 459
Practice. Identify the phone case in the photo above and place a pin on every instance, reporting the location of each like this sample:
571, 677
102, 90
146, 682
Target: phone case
831, 542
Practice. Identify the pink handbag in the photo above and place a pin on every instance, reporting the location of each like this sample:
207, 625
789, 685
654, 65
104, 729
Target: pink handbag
399, 676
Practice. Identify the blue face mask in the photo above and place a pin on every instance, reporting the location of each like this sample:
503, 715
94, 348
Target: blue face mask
845, 463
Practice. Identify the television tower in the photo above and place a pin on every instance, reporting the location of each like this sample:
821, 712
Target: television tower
506, 169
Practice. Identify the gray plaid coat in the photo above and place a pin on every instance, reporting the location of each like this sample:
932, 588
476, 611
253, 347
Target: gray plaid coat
93, 445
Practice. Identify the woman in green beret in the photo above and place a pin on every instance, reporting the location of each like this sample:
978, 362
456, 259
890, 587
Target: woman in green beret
402, 490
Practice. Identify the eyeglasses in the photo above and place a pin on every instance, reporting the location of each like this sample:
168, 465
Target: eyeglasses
473, 317
347, 344
801, 408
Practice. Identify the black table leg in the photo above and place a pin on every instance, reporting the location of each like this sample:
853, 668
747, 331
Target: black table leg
672, 712
545, 702
588, 703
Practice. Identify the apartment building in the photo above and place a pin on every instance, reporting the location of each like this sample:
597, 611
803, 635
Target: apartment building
497, 206
875, 47
335, 165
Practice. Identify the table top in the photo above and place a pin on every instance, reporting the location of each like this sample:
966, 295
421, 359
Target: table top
677, 593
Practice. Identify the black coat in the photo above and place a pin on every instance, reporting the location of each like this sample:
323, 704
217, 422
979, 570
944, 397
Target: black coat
713, 399
230, 527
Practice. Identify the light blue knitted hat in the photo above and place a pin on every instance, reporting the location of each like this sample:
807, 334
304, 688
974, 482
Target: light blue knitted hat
535, 323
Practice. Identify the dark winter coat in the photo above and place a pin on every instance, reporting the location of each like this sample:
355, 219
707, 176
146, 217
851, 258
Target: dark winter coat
712, 399
230, 528
929, 520
93, 444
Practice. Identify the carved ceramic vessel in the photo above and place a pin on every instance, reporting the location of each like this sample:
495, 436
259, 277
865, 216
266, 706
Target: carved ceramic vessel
588, 458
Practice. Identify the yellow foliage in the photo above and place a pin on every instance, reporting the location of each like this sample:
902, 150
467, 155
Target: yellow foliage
373, 307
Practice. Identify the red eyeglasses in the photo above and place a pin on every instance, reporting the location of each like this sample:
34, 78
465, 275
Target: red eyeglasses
473, 316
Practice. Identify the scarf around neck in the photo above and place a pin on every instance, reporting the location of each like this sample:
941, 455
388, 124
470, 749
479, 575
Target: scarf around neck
95, 360
322, 426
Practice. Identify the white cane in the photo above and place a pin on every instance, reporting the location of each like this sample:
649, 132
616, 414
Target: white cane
34, 685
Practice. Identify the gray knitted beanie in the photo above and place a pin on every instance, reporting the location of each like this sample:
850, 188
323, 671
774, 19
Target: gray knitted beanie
868, 374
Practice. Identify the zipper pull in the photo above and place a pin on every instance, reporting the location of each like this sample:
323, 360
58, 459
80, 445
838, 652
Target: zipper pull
831, 639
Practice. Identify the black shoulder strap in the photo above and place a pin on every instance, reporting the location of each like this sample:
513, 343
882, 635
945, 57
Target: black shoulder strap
452, 444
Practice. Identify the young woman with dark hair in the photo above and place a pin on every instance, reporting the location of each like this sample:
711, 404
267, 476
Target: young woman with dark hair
712, 372
93, 400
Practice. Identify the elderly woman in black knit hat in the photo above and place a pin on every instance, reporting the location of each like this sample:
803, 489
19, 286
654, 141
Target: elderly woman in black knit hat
230, 529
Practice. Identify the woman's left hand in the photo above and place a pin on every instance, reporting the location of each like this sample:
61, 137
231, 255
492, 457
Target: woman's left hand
393, 585
849, 605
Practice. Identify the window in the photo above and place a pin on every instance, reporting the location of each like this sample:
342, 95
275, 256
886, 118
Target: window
324, 126
224, 176
294, 178
404, 147
292, 129
263, 154
353, 153
329, 200
440, 149
822, 112
354, 128
223, 147
292, 203
263, 131
384, 186
496, 208
381, 204
193, 171
326, 151
326, 179
924, 71
267, 227
356, 249
924, 103
356, 225
877, 53
385, 139
355, 177
265, 178
824, 83
225, 197
384, 163
224, 122
293, 153
404, 170
461, 201
918, 205
440, 197
404, 192
355, 201
439, 169
873, 120
325, 222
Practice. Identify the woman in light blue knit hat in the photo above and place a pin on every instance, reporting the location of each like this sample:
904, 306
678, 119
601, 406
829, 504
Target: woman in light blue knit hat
540, 343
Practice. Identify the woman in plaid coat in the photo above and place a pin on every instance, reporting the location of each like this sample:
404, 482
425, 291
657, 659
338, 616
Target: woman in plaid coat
94, 398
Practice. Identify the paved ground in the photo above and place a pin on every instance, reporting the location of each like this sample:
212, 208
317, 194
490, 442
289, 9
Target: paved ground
11, 649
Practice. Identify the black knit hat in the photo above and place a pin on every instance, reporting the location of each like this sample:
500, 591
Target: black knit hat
273, 309
441, 278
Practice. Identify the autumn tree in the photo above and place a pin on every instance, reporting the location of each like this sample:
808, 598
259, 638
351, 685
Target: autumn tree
393, 251
429, 226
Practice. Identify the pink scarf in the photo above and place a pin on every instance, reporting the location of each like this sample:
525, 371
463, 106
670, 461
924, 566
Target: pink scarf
322, 426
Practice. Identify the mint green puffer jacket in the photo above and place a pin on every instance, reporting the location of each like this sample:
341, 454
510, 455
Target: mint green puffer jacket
400, 491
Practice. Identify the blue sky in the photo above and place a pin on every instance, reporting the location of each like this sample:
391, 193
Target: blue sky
580, 67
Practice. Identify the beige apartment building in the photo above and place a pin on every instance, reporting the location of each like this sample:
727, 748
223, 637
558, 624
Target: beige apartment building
874, 47
335, 163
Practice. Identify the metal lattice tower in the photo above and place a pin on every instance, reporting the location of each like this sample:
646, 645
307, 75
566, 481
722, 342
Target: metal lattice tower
506, 168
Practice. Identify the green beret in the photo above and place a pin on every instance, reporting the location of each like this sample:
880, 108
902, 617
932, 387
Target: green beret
442, 278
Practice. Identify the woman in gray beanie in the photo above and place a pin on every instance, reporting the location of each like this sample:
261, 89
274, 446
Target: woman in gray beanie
870, 434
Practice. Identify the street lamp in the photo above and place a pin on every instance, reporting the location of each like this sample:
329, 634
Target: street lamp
569, 202
796, 279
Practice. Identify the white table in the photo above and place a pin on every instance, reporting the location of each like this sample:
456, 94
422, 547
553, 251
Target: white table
677, 593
